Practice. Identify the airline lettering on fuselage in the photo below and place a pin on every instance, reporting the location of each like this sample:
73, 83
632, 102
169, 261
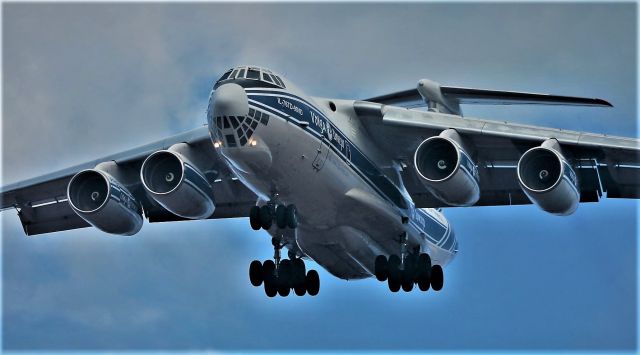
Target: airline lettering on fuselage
290, 106
328, 131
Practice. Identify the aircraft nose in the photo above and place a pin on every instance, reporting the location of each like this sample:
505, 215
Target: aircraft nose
229, 100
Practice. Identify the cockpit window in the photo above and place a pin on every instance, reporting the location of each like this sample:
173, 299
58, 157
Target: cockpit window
226, 75
278, 81
253, 73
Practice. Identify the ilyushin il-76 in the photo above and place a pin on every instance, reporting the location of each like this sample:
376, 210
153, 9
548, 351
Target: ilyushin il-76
358, 186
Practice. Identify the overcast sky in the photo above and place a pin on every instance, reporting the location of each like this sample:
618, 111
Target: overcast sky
81, 81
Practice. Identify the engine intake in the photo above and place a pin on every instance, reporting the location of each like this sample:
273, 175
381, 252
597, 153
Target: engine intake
548, 180
447, 171
177, 185
104, 202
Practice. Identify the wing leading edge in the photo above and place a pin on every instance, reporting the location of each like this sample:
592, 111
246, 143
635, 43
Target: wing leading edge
42, 203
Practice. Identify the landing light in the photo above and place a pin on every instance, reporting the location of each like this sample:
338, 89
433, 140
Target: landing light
253, 142
217, 144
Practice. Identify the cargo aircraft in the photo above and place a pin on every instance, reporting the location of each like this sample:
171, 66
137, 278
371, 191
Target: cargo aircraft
358, 186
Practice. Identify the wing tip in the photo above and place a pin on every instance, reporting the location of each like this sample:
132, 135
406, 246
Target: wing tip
601, 102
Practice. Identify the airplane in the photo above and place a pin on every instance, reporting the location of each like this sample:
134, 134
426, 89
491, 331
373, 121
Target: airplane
358, 186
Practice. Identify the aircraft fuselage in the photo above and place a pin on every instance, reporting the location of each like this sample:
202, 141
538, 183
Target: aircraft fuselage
311, 152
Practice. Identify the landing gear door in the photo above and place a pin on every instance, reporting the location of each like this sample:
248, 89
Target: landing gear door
322, 153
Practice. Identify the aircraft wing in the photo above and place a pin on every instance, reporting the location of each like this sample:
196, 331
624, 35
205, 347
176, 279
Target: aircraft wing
604, 164
42, 204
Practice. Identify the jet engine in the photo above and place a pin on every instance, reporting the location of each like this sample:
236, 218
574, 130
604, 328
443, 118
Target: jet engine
446, 169
172, 180
102, 201
548, 180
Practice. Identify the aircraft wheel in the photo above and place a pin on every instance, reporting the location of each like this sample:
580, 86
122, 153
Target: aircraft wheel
299, 272
281, 216
312, 283
285, 272
254, 218
394, 268
271, 285
266, 217
255, 273
292, 216
394, 284
381, 268
437, 278
407, 286
283, 288
424, 271
300, 290
268, 268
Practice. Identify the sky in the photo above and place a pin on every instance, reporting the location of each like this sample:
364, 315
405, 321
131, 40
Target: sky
84, 80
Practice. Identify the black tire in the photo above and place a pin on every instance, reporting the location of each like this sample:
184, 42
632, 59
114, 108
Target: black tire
299, 272
292, 216
300, 290
424, 271
283, 288
408, 274
424, 285
394, 284
285, 273
281, 217
254, 218
268, 268
394, 268
266, 217
407, 286
270, 286
255, 273
312, 283
437, 278
381, 268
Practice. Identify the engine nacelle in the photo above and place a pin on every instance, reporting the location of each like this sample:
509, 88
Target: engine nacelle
102, 201
548, 180
446, 169
177, 184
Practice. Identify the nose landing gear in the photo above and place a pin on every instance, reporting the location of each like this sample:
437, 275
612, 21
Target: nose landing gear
281, 276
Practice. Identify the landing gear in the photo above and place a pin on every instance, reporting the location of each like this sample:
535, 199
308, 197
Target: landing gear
265, 216
280, 277
416, 269
408, 269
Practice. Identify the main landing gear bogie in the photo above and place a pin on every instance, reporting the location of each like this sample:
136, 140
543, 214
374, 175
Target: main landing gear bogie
280, 277
290, 276
414, 270
265, 216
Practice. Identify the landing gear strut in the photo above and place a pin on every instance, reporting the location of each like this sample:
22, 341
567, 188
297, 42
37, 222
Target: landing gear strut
281, 276
408, 269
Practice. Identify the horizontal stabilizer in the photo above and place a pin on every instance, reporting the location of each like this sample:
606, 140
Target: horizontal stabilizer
496, 97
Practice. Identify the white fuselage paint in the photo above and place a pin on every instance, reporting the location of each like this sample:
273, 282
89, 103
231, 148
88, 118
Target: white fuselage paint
317, 159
